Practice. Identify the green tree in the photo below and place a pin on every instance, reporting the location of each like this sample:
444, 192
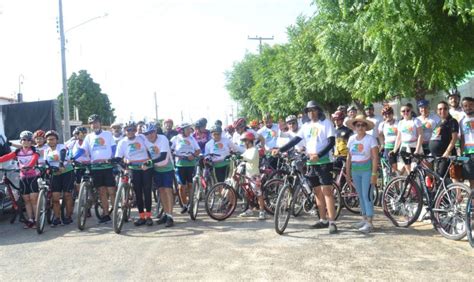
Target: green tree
87, 96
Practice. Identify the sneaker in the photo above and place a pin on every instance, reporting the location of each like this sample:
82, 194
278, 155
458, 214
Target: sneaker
105, 219
184, 209
246, 213
139, 222
67, 221
149, 221
163, 219
359, 224
29, 224
169, 222
262, 215
332, 228
367, 228
55, 222
319, 225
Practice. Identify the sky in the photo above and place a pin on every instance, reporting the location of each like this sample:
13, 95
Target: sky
179, 49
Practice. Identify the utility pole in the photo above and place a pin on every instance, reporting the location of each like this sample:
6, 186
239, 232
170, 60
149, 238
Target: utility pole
67, 127
260, 39
156, 108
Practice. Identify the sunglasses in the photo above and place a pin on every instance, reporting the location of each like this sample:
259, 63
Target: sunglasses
442, 109
291, 122
24, 139
360, 125
51, 139
406, 111
311, 110
130, 129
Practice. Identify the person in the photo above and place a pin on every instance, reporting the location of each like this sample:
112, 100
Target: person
293, 128
74, 149
100, 146
351, 113
140, 125
410, 106
342, 135
409, 136
117, 131
186, 149
319, 136
241, 128
62, 181
252, 171
361, 168
467, 139
443, 139
218, 123
428, 123
376, 120
456, 112
253, 124
269, 132
342, 109
27, 157
41, 145
388, 133
229, 131
221, 147
133, 149
160, 152
201, 134
169, 132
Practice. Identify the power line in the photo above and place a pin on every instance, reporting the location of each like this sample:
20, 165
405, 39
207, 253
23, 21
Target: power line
260, 39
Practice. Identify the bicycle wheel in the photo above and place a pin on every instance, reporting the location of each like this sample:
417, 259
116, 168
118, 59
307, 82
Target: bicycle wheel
130, 194
270, 194
337, 200
350, 198
450, 211
82, 205
284, 208
220, 201
470, 219
402, 201
299, 202
194, 199
41, 214
158, 211
119, 213
63, 208
176, 192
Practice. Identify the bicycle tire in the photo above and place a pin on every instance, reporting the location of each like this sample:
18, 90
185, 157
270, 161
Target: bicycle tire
270, 193
300, 200
41, 214
470, 219
62, 209
176, 192
82, 207
402, 214
283, 209
449, 211
350, 198
194, 199
130, 199
337, 200
119, 213
158, 211
220, 201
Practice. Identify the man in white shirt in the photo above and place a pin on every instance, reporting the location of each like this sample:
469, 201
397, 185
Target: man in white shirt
369, 113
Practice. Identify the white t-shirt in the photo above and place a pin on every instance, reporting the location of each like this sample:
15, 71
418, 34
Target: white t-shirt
133, 150
315, 136
285, 137
117, 139
377, 121
73, 148
183, 147
240, 145
407, 129
428, 124
467, 131
389, 132
252, 158
457, 114
360, 149
221, 148
161, 145
53, 157
99, 147
41, 151
270, 135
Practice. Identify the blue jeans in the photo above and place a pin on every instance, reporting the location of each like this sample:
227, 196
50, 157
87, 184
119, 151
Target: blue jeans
361, 181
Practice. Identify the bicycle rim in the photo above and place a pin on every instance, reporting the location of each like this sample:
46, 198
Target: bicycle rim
118, 213
450, 211
270, 194
41, 212
402, 210
283, 209
82, 206
220, 201
470, 220
299, 202
350, 198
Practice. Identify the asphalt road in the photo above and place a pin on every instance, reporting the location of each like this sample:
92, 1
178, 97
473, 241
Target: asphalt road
235, 249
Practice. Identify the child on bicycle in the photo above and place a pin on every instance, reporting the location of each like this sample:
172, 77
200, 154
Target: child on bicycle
252, 171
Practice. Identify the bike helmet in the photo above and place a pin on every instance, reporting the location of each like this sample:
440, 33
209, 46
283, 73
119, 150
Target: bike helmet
168, 120
201, 123
80, 129
216, 128
239, 123
342, 108
130, 124
387, 110
253, 123
28, 135
247, 136
184, 125
311, 105
116, 124
38, 133
51, 132
149, 128
218, 123
454, 92
352, 108
338, 115
93, 118
291, 118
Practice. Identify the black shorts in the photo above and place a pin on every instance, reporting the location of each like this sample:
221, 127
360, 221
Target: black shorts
391, 158
103, 178
185, 174
407, 160
63, 182
441, 166
79, 174
319, 174
426, 149
221, 173
29, 185
468, 168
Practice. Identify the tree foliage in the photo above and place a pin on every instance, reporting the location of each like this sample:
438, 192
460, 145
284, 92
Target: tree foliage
361, 51
87, 95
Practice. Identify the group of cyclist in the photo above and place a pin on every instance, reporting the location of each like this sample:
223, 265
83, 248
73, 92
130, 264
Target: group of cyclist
158, 155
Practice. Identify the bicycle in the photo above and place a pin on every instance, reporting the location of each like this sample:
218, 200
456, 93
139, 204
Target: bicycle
14, 199
297, 190
123, 200
221, 199
203, 178
446, 202
44, 207
470, 219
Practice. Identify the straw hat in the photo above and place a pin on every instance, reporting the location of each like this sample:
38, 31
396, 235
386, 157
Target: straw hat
360, 118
